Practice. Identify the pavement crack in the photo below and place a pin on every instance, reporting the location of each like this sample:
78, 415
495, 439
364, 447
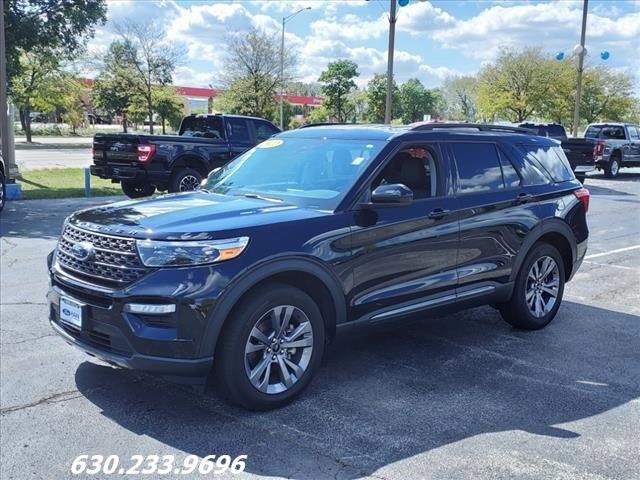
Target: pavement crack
31, 339
22, 303
55, 398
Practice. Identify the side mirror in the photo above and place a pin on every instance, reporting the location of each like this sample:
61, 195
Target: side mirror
392, 195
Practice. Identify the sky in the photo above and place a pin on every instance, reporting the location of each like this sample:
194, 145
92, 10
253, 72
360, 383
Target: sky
434, 39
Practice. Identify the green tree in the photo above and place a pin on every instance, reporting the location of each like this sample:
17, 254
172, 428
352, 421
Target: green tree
516, 85
168, 106
606, 95
116, 87
251, 74
60, 26
148, 58
36, 86
461, 96
72, 106
376, 99
337, 84
318, 115
415, 100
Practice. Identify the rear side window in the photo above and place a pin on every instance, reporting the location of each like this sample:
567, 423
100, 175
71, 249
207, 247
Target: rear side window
552, 159
264, 130
478, 167
511, 177
238, 130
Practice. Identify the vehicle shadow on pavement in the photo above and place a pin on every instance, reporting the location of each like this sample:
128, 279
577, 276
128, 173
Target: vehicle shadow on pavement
382, 397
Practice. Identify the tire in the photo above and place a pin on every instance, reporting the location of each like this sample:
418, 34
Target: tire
612, 168
517, 311
233, 364
185, 179
137, 190
3, 190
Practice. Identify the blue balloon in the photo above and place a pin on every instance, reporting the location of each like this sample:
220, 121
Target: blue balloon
403, 3
560, 56
605, 55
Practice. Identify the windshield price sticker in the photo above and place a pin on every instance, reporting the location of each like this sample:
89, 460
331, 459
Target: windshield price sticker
157, 465
274, 142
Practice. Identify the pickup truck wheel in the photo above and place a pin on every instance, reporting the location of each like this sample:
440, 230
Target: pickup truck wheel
137, 190
185, 180
538, 289
270, 347
612, 168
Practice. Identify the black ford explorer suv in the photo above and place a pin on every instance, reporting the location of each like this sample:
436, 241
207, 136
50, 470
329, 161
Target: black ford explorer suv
313, 232
143, 164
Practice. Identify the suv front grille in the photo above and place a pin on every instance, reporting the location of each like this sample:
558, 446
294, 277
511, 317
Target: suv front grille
114, 262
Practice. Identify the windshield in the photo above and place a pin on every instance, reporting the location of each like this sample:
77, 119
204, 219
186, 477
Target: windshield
310, 172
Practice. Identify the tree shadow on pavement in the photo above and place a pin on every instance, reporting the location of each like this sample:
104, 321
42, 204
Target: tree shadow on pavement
382, 397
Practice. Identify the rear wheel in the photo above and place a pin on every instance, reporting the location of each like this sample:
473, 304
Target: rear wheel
612, 168
185, 180
538, 289
137, 189
270, 348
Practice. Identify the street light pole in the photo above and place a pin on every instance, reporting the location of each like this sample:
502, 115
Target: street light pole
284, 21
581, 53
392, 38
7, 148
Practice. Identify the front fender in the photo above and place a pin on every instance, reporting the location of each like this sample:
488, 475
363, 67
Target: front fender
254, 275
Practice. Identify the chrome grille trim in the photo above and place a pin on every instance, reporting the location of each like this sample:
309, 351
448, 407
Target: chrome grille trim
114, 263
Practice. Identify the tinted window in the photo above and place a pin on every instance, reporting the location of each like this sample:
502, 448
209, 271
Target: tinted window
264, 130
511, 177
478, 167
414, 167
238, 130
552, 159
615, 132
203, 127
634, 134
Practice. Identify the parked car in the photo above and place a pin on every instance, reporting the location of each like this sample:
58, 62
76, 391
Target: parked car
315, 232
579, 153
615, 145
3, 183
146, 163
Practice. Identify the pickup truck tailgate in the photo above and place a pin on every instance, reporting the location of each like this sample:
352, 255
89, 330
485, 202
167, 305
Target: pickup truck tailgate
579, 152
117, 149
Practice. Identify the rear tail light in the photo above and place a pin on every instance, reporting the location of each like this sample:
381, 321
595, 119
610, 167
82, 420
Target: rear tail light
583, 195
598, 150
145, 152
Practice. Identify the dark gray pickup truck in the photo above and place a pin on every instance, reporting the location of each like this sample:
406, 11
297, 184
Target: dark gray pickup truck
615, 145
143, 164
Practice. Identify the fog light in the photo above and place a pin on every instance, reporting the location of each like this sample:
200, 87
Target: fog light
149, 308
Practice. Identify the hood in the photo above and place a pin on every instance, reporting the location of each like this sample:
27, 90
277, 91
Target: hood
192, 215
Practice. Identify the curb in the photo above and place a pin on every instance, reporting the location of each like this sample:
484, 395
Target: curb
53, 146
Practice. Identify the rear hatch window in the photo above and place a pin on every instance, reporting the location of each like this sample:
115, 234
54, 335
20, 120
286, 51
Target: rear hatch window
202, 127
605, 131
551, 158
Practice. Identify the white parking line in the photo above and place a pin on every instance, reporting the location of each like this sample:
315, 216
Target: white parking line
618, 250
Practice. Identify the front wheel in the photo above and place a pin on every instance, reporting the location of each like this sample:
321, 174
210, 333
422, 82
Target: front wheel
270, 348
137, 190
538, 289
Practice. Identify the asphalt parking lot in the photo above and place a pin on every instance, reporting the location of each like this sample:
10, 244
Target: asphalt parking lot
461, 396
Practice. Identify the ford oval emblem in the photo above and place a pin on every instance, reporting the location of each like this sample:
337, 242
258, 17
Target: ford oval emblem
82, 251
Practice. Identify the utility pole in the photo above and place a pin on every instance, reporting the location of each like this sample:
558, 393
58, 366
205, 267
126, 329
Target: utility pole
581, 51
284, 21
392, 38
7, 139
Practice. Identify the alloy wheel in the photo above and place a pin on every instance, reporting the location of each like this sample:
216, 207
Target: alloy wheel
543, 284
189, 183
614, 167
279, 349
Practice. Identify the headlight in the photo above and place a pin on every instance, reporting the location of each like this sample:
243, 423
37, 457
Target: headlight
154, 253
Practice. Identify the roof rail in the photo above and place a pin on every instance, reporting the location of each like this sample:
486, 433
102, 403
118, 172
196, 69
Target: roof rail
473, 126
320, 124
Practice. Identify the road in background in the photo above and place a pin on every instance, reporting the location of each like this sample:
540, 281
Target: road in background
460, 396
53, 158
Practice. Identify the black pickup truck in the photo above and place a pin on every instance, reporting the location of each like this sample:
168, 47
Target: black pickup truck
143, 164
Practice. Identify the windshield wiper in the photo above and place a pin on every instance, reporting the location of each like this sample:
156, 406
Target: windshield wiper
261, 197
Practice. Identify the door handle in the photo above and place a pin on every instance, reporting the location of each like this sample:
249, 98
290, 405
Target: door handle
438, 213
524, 198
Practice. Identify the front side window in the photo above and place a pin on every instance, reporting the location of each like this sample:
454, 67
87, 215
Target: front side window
311, 172
634, 133
478, 167
415, 167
